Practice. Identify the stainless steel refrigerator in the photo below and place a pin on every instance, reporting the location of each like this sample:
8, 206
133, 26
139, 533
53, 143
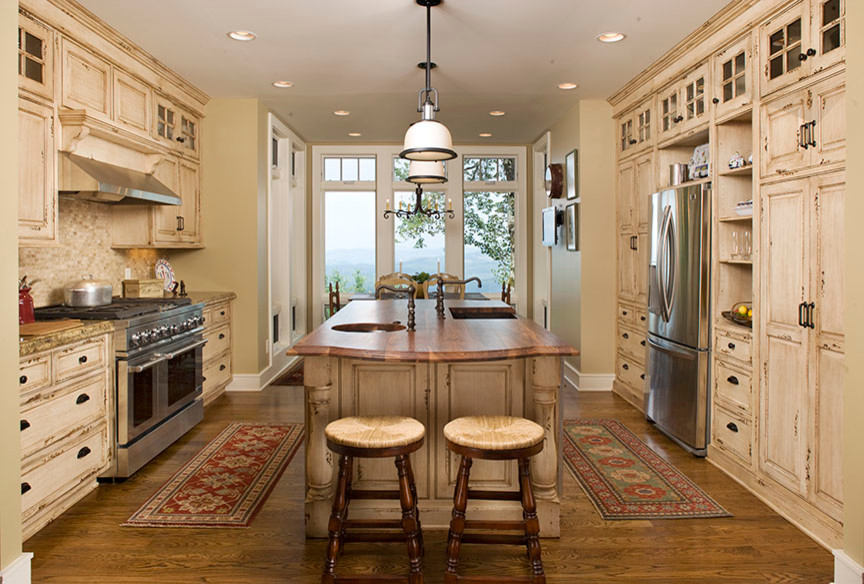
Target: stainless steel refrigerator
678, 353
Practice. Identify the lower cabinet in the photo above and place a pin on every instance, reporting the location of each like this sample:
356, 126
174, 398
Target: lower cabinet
217, 368
631, 344
65, 421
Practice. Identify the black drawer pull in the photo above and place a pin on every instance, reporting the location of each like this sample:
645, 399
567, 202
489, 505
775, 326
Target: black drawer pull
84, 452
222, 368
642, 343
221, 313
642, 318
732, 379
731, 346
625, 367
221, 336
25, 487
82, 359
22, 380
732, 426
624, 313
642, 376
83, 398
626, 336
24, 425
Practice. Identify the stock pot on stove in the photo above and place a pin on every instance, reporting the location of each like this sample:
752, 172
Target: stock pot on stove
87, 291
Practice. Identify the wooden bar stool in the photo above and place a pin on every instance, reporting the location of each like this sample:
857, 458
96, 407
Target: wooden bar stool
494, 438
375, 437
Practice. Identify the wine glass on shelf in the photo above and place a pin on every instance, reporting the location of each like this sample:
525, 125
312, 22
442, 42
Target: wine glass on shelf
736, 246
746, 245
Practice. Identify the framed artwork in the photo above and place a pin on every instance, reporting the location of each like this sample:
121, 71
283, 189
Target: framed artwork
571, 165
572, 226
550, 226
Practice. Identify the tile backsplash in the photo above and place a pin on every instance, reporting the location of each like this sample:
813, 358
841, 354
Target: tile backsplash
85, 248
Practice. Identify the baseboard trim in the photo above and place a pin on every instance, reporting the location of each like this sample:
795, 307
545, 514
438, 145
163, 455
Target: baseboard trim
245, 382
847, 570
587, 381
18, 572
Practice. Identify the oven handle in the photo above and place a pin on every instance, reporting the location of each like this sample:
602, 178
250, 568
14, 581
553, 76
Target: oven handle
185, 349
147, 365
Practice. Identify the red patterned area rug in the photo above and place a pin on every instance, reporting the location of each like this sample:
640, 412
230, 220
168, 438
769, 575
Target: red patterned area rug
627, 480
226, 483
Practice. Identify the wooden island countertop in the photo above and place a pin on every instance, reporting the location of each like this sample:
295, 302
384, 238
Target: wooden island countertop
435, 340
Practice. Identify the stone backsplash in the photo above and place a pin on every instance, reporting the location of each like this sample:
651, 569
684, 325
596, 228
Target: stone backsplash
85, 248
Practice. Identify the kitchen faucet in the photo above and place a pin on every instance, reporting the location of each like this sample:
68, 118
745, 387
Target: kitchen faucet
439, 300
398, 290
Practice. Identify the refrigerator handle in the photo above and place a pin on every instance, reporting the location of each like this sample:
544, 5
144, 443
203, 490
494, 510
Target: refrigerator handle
671, 350
661, 264
673, 262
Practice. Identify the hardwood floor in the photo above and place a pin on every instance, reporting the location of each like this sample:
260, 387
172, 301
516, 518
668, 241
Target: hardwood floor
87, 544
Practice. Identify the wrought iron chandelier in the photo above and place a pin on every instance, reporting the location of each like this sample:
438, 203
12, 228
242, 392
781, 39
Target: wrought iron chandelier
420, 173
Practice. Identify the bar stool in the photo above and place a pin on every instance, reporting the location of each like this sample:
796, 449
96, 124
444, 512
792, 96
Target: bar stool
375, 437
494, 438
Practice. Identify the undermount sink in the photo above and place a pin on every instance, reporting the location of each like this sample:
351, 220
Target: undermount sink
478, 312
369, 327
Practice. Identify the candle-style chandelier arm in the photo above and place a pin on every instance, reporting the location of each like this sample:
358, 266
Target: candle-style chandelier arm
418, 209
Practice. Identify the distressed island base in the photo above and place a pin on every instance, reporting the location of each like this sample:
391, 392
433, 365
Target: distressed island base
446, 369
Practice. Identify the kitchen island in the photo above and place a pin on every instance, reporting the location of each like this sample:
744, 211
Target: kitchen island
481, 359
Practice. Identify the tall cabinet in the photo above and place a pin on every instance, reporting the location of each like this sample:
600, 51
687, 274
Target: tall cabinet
775, 89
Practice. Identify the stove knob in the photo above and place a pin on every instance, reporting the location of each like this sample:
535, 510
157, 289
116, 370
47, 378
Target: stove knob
164, 332
144, 337
174, 329
135, 340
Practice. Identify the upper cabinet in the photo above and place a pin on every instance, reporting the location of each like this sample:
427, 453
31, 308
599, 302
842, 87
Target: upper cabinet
37, 195
669, 110
132, 103
802, 40
733, 78
636, 129
176, 127
86, 80
683, 105
35, 58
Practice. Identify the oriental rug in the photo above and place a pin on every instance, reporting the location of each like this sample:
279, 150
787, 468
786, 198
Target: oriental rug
293, 376
625, 479
227, 482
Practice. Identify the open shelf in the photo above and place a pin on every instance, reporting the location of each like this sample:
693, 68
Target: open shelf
743, 116
738, 262
736, 219
743, 171
689, 139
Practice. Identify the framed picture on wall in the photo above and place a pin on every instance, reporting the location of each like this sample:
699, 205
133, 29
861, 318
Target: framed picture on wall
572, 226
571, 170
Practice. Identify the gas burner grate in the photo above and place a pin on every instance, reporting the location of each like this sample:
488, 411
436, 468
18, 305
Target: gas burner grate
119, 309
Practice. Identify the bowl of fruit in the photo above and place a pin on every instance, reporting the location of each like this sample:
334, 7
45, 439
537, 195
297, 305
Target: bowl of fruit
741, 313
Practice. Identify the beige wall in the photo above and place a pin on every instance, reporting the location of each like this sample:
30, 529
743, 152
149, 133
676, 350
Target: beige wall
234, 223
10, 458
583, 283
853, 463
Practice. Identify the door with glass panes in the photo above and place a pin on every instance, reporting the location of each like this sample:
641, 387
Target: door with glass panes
733, 80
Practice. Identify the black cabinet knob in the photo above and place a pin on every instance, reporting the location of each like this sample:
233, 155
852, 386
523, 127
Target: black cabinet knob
83, 398
731, 346
221, 336
642, 343
22, 380
25, 487
624, 312
642, 318
222, 313
84, 452
24, 425
82, 359
732, 380
181, 139
222, 368
632, 141
715, 101
626, 336
642, 376
678, 119
732, 426
811, 52
802, 57
625, 367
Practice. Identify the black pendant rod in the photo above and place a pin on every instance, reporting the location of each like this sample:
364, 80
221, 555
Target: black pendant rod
428, 50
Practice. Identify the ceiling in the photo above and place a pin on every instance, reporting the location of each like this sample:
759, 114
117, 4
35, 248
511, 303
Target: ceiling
505, 55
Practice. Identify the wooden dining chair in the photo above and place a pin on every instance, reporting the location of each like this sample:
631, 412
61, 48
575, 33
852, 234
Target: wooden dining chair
396, 279
431, 285
334, 301
505, 293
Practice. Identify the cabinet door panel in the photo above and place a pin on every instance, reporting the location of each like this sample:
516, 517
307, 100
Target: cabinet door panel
781, 140
626, 184
783, 40
626, 267
642, 190
640, 269
827, 472
469, 389
132, 106
35, 58
86, 81
733, 80
37, 197
828, 111
190, 210
695, 96
829, 33
669, 112
387, 390
165, 216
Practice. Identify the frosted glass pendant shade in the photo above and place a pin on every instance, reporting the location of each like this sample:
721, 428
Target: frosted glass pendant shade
428, 140
426, 172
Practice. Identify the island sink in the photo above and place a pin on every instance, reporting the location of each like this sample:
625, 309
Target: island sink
470, 312
369, 327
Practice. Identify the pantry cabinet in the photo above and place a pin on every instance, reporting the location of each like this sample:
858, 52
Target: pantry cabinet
37, 195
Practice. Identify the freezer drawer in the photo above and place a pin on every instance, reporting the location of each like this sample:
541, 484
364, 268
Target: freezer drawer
677, 392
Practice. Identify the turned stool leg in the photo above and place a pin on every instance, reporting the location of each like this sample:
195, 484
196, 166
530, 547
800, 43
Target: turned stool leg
349, 480
337, 516
409, 519
532, 524
416, 507
457, 521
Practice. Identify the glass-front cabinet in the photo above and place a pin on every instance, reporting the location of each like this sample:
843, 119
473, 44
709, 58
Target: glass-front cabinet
176, 127
669, 110
35, 58
636, 129
829, 33
733, 79
695, 96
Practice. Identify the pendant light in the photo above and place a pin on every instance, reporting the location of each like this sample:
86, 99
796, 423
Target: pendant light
428, 139
426, 172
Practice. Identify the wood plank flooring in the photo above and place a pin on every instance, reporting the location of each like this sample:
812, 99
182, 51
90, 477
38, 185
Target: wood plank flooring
87, 545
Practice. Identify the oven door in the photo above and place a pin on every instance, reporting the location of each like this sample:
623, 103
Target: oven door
183, 364
140, 382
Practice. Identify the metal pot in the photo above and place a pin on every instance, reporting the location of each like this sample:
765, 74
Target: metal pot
87, 292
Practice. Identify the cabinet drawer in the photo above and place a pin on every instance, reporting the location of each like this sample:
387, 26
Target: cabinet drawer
630, 372
34, 373
62, 414
217, 373
731, 433
733, 347
642, 319
626, 314
62, 470
218, 341
221, 314
633, 343
79, 359
733, 387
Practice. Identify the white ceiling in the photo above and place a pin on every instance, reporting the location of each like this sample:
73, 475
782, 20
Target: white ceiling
362, 56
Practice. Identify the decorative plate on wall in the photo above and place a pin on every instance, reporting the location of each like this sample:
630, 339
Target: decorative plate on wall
165, 272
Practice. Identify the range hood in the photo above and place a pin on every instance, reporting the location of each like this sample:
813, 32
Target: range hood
92, 180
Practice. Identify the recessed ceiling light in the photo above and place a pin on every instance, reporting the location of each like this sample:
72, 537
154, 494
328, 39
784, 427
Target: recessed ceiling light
611, 37
568, 85
341, 112
354, 134
496, 113
485, 135
283, 84
242, 35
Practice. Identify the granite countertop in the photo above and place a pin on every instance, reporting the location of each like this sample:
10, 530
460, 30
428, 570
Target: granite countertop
210, 297
31, 345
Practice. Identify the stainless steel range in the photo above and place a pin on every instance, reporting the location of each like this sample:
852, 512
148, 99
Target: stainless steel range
158, 348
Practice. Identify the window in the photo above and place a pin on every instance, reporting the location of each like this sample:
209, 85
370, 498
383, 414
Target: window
734, 77
484, 169
419, 241
349, 240
784, 48
490, 239
349, 169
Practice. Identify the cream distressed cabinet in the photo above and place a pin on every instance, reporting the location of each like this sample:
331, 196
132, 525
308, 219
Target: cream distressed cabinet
803, 346
636, 130
733, 78
35, 58
805, 128
176, 127
683, 105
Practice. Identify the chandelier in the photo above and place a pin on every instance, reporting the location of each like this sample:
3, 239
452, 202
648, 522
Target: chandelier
420, 173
